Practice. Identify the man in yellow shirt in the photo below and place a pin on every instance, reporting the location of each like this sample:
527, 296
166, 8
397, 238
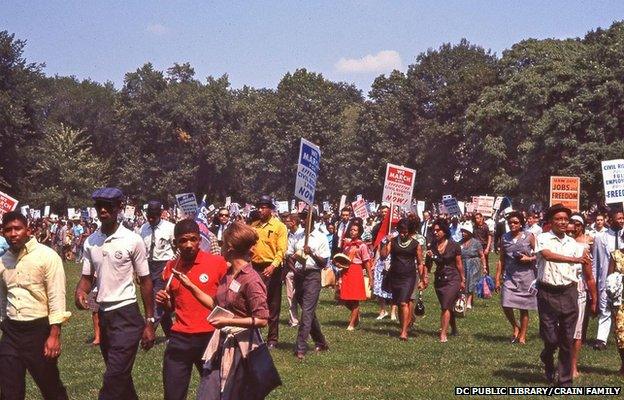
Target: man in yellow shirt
32, 294
267, 257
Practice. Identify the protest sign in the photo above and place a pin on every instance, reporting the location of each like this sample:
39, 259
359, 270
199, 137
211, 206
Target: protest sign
451, 205
228, 201
485, 205
35, 214
187, 203
92, 212
25, 210
293, 206
282, 206
398, 185
7, 204
307, 171
343, 202
462, 206
129, 212
497, 203
46, 211
470, 207
566, 190
84, 214
372, 206
420, 208
359, 208
613, 180
326, 207
70, 212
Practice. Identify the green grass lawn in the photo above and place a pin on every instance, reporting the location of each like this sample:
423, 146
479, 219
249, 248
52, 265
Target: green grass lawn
368, 363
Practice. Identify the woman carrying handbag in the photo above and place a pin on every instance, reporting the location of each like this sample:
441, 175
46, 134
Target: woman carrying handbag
238, 364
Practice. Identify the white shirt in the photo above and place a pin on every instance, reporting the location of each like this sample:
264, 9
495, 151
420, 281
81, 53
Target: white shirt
113, 260
557, 273
317, 241
535, 229
341, 229
163, 240
293, 238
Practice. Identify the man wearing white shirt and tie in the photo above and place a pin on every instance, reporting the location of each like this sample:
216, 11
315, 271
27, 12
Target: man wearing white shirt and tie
157, 234
223, 219
308, 262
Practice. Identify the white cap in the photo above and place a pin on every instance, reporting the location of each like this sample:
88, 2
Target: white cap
466, 226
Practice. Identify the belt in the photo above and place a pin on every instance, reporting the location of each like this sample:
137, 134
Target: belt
555, 288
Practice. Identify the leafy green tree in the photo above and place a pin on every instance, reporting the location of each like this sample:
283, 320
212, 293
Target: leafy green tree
20, 105
63, 172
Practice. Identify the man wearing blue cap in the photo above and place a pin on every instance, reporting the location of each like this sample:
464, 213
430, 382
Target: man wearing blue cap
113, 254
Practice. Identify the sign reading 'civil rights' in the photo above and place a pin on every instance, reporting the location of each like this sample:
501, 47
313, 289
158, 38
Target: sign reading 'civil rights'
307, 171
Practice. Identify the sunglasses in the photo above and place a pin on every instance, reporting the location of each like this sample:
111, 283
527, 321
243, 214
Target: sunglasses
224, 215
512, 222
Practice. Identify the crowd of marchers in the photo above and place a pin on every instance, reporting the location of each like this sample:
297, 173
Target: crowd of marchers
211, 290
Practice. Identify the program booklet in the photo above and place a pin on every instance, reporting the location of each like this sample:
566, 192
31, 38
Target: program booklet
220, 312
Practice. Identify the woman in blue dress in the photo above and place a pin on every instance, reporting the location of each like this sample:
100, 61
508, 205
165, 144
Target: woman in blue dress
515, 275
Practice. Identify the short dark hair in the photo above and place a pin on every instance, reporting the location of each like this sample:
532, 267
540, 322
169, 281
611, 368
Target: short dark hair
612, 213
403, 223
346, 208
444, 226
185, 226
516, 214
12, 216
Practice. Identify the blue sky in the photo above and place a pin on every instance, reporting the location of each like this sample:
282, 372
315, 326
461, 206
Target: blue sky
257, 42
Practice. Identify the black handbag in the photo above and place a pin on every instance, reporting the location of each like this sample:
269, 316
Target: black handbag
260, 370
419, 307
385, 282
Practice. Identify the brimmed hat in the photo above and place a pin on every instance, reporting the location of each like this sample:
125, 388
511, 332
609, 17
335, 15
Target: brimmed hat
341, 260
467, 226
109, 194
265, 200
154, 207
557, 208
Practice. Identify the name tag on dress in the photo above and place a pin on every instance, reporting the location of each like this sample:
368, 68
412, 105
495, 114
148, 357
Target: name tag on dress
235, 286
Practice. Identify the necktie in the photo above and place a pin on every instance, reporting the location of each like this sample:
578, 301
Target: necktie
153, 244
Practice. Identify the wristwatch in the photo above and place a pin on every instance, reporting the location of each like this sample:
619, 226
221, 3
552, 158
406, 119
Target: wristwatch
150, 319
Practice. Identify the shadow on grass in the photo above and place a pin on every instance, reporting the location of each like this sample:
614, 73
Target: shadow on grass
522, 372
492, 338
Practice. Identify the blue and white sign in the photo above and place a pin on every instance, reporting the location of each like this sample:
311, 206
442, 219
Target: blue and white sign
451, 205
307, 171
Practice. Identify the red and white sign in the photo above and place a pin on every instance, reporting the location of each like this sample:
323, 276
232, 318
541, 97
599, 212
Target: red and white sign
7, 203
359, 208
399, 185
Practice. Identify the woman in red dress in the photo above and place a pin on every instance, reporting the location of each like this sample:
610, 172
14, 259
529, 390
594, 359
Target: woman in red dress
351, 283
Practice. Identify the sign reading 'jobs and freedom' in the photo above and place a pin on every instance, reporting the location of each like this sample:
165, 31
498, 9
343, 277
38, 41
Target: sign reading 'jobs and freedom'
613, 179
566, 190
307, 171
399, 185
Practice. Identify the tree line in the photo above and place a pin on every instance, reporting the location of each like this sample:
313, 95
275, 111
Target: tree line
467, 121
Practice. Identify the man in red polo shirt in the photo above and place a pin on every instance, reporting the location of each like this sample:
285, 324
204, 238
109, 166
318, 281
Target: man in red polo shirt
191, 331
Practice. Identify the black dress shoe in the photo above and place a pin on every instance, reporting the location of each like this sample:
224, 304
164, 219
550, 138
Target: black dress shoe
549, 369
321, 347
600, 345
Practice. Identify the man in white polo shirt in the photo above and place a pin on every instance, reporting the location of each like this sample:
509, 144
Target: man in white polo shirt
558, 260
113, 254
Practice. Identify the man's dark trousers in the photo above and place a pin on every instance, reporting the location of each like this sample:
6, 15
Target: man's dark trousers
161, 315
274, 299
558, 312
307, 290
120, 333
184, 350
21, 350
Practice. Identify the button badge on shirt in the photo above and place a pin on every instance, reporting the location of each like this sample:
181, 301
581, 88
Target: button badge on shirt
235, 286
203, 278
